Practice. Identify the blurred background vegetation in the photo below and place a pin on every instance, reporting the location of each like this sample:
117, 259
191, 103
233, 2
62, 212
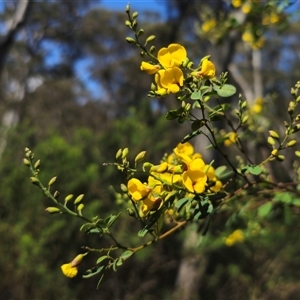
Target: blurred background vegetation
71, 90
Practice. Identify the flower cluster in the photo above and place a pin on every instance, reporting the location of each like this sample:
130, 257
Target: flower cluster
183, 170
168, 71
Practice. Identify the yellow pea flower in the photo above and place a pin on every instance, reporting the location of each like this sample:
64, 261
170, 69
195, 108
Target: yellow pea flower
236, 237
208, 25
246, 8
194, 178
70, 270
236, 3
169, 80
210, 172
137, 189
208, 69
186, 148
258, 106
217, 187
231, 139
173, 56
149, 68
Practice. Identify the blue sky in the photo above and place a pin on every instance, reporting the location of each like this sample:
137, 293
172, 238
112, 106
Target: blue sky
136, 5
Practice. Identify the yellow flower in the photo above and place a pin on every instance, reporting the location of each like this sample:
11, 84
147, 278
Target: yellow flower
153, 200
163, 167
210, 172
248, 37
149, 68
231, 139
236, 237
208, 25
208, 69
185, 148
137, 190
194, 178
169, 80
173, 56
236, 3
274, 18
246, 8
217, 187
70, 270
258, 106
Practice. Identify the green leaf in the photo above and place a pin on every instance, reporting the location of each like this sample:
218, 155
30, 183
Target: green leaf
220, 170
252, 169
119, 262
196, 95
100, 259
143, 232
92, 272
284, 197
197, 215
227, 90
181, 202
265, 209
111, 219
99, 282
126, 254
190, 136
172, 114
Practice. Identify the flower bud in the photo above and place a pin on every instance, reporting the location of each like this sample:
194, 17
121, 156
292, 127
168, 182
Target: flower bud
118, 154
297, 153
274, 152
245, 119
271, 141
134, 24
190, 64
26, 162
128, 23
37, 164
140, 156
80, 207
56, 194
34, 180
135, 14
152, 49
244, 104
52, 180
124, 188
69, 197
274, 134
185, 62
130, 40
280, 157
125, 152
52, 210
147, 166
150, 38
291, 143
140, 32
79, 198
